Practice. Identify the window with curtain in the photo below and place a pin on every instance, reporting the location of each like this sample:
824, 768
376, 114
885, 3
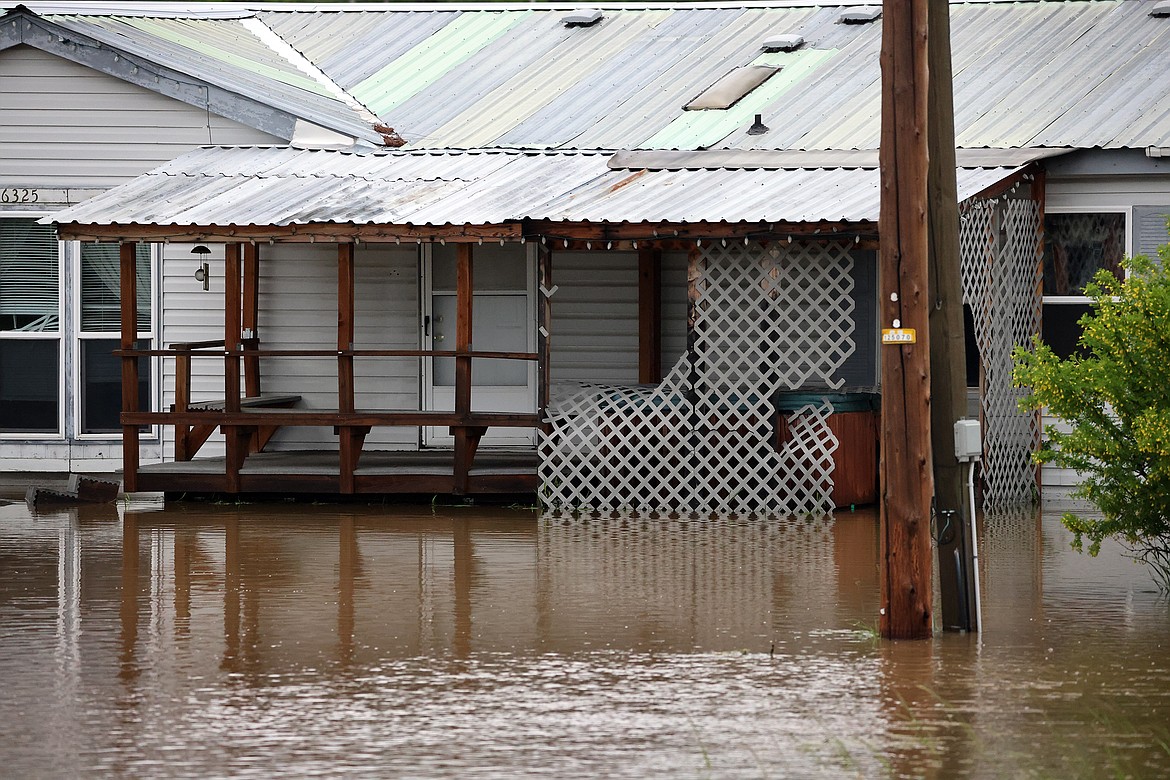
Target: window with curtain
30, 323
101, 315
1076, 247
101, 300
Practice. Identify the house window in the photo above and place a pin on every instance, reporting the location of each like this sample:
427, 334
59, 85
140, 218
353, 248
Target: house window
100, 321
1076, 247
30, 327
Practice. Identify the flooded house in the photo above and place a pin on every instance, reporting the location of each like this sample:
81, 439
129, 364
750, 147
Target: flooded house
620, 258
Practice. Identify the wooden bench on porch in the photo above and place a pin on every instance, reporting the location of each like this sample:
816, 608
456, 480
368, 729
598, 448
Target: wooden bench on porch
190, 437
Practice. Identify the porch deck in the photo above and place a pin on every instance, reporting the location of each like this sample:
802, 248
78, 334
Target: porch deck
495, 471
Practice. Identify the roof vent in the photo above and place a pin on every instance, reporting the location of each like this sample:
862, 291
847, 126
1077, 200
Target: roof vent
1161, 10
585, 17
727, 91
787, 42
860, 15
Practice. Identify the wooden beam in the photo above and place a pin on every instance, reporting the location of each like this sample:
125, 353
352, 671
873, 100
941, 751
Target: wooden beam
325, 233
345, 327
182, 401
464, 294
649, 315
232, 298
1039, 190
544, 327
235, 440
251, 318
556, 233
350, 440
324, 417
553, 231
127, 267
906, 476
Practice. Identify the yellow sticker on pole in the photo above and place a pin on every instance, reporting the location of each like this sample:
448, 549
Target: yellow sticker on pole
899, 336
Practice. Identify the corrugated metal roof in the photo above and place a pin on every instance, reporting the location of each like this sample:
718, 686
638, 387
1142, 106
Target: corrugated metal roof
281, 186
1075, 73
1048, 73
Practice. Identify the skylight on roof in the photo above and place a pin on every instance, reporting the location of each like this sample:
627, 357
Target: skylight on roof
728, 91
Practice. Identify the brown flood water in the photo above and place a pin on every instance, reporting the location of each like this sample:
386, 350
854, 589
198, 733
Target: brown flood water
290, 640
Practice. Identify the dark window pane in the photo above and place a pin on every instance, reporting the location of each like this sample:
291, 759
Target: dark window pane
29, 261
860, 369
28, 386
101, 385
1060, 329
1076, 246
971, 347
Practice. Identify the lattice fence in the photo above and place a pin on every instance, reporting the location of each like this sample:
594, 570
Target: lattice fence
1000, 252
765, 319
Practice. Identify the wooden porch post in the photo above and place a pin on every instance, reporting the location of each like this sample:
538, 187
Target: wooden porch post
129, 311
907, 481
649, 315
466, 439
235, 442
251, 317
544, 327
350, 439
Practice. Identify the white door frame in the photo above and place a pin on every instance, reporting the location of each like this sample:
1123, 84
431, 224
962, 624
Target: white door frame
499, 398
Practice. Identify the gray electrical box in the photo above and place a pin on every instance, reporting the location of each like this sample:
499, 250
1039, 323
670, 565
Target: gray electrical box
968, 444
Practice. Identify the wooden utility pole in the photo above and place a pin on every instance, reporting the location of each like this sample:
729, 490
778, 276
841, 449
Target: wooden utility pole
948, 369
907, 480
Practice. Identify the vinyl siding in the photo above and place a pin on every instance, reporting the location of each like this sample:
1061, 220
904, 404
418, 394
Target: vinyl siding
298, 310
595, 315
65, 125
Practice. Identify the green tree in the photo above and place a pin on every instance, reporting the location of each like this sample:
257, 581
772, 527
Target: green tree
1115, 398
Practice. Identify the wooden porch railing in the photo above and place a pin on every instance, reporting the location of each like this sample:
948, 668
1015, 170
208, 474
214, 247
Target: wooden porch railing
250, 422
248, 418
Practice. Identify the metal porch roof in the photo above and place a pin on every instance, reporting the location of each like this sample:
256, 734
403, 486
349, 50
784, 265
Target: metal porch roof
282, 186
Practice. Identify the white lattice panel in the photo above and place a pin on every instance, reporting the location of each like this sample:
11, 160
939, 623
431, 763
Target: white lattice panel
1000, 254
766, 318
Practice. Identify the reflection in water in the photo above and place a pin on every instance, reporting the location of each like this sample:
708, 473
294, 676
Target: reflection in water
198, 640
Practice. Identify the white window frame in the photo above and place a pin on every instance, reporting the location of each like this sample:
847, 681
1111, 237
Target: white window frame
77, 336
59, 336
1127, 212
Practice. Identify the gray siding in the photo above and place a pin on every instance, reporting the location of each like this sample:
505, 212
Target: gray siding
674, 308
595, 317
65, 125
298, 310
